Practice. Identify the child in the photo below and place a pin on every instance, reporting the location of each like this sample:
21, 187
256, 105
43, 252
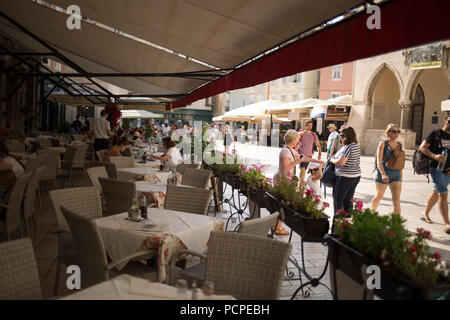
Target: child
314, 170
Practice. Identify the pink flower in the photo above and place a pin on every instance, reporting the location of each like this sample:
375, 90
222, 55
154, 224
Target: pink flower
345, 213
326, 204
359, 205
317, 200
414, 249
392, 233
352, 200
308, 192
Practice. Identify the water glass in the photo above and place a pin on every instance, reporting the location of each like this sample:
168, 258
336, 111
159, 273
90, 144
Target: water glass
182, 289
208, 288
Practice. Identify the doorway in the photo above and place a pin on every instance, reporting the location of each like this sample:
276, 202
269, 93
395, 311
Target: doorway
417, 112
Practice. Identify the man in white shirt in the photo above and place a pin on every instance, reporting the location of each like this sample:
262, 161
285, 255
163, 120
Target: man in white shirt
102, 131
333, 140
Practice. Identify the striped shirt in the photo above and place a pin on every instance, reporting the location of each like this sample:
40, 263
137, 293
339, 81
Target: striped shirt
352, 168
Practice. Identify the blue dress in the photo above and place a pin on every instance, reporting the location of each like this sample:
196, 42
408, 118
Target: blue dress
393, 175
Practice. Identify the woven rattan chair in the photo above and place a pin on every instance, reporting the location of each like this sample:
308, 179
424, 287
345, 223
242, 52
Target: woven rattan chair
36, 162
257, 227
118, 195
187, 199
97, 172
197, 178
92, 255
85, 200
184, 166
122, 162
244, 266
51, 166
110, 168
101, 155
19, 277
12, 224
29, 205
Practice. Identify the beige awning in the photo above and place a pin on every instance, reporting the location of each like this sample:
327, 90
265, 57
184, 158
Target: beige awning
139, 114
219, 33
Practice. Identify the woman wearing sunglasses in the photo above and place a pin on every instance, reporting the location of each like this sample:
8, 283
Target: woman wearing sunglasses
385, 176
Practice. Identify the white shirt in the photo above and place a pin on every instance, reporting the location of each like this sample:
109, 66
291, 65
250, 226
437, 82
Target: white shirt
332, 136
175, 157
314, 185
101, 127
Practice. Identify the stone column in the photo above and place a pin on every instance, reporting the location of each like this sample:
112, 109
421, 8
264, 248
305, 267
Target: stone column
405, 116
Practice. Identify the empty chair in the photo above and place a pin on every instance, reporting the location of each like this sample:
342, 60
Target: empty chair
12, 224
101, 155
19, 277
29, 205
184, 166
122, 162
85, 200
16, 147
110, 168
51, 166
244, 266
92, 256
97, 172
36, 162
118, 195
79, 158
197, 178
257, 227
187, 199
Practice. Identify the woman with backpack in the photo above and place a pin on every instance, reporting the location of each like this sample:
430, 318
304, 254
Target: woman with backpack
390, 161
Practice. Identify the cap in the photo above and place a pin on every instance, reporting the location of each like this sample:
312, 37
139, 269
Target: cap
313, 165
332, 125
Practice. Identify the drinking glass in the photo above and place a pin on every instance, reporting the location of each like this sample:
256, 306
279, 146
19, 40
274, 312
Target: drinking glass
208, 288
182, 289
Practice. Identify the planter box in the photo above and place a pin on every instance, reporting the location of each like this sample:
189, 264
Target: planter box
394, 286
258, 196
310, 229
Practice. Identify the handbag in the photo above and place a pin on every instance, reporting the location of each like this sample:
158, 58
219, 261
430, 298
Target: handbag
329, 174
397, 159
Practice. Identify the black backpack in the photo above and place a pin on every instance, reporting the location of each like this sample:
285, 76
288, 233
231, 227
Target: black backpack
420, 162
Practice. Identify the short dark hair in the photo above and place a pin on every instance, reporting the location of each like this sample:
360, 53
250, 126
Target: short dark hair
349, 135
103, 113
168, 143
308, 122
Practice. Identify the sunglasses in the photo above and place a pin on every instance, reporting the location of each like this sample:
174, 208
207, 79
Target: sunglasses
395, 131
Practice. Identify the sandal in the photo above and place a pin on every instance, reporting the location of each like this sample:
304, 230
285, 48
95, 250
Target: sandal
281, 231
447, 230
427, 220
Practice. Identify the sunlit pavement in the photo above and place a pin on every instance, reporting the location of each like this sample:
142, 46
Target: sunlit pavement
415, 192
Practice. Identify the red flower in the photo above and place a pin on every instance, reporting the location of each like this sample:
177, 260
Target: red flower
414, 249
392, 233
352, 200
326, 204
317, 200
437, 256
308, 192
342, 211
359, 205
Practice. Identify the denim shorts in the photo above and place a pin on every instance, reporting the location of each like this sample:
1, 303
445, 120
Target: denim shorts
393, 175
440, 179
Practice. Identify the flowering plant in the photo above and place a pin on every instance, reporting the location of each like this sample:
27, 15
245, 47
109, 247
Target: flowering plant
386, 240
254, 177
114, 115
227, 163
298, 197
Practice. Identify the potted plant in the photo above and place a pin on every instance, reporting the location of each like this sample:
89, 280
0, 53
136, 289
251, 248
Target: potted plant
255, 184
300, 208
408, 269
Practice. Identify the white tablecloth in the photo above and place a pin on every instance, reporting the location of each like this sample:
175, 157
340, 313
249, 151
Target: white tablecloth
126, 287
148, 186
173, 231
148, 164
161, 175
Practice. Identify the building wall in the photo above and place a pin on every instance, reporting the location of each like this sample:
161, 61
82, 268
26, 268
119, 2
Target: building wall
328, 85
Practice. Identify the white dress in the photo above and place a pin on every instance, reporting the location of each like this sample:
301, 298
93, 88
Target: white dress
314, 185
175, 158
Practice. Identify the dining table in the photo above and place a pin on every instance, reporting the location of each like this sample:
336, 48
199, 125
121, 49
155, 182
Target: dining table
164, 232
127, 287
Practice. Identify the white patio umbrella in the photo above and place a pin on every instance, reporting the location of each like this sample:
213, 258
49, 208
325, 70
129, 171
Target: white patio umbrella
295, 105
139, 114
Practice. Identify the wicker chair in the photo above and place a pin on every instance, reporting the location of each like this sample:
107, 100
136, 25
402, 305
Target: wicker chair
16, 147
122, 162
12, 223
182, 167
36, 162
55, 142
85, 200
244, 266
110, 168
29, 205
187, 199
118, 195
92, 255
101, 155
51, 166
97, 172
257, 227
197, 178
79, 158
19, 277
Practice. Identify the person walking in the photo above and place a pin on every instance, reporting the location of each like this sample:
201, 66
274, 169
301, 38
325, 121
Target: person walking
289, 159
306, 141
348, 171
388, 177
102, 131
228, 138
333, 140
436, 146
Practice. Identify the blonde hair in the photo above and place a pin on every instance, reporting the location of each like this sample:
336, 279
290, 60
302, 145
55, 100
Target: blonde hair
389, 127
290, 136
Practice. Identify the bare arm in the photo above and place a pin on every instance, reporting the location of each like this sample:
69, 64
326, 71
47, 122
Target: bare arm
425, 149
319, 148
380, 152
339, 162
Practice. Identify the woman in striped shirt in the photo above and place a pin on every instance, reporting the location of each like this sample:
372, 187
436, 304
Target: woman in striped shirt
348, 171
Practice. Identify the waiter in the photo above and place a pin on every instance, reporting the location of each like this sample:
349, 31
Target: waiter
102, 131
